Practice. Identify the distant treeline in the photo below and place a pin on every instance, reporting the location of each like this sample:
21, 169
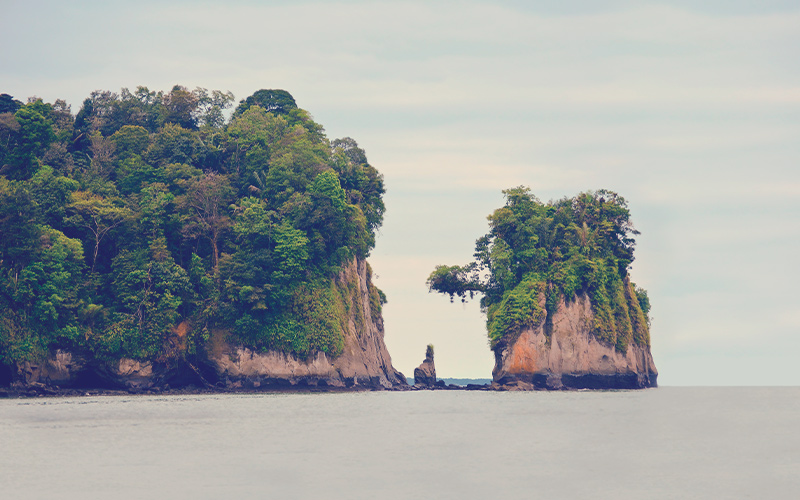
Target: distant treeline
143, 222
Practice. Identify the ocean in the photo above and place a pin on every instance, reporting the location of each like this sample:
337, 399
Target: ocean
670, 443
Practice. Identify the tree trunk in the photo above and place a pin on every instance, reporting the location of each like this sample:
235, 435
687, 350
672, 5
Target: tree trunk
96, 250
214, 254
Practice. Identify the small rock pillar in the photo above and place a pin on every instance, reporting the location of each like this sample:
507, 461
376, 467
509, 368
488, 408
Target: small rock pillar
425, 374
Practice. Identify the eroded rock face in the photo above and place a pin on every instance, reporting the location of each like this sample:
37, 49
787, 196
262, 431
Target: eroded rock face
61, 368
425, 374
131, 374
67, 370
364, 362
571, 357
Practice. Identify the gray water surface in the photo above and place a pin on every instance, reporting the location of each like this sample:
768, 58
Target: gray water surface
682, 443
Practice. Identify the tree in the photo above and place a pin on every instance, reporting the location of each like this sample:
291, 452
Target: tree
130, 140
97, 214
102, 155
153, 202
204, 206
9, 128
38, 303
274, 101
211, 106
34, 135
178, 216
533, 250
251, 137
362, 182
52, 193
182, 107
174, 144
148, 286
8, 104
18, 225
100, 114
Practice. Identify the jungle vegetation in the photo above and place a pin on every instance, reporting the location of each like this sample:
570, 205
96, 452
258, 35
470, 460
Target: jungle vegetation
537, 254
139, 225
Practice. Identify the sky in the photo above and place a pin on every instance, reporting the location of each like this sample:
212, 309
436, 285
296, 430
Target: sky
690, 110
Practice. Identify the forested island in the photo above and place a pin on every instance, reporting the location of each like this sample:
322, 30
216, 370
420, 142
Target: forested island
158, 239
148, 239
561, 310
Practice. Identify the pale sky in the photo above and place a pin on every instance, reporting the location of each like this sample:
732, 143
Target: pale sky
691, 113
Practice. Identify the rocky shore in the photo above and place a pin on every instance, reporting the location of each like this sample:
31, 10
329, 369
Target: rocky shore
563, 356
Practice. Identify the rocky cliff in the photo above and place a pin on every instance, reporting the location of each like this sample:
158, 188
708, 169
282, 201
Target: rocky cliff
564, 353
364, 362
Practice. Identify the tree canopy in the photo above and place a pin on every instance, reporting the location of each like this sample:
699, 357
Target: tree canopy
148, 210
555, 251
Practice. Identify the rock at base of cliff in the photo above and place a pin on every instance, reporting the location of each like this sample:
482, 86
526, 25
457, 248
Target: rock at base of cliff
425, 374
567, 381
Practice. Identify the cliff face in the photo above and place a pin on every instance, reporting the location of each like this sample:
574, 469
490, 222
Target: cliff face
364, 362
566, 354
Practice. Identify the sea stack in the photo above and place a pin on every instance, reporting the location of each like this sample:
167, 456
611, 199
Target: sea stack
561, 309
425, 374
561, 352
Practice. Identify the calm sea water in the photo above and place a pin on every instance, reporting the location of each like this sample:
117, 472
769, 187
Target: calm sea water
676, 443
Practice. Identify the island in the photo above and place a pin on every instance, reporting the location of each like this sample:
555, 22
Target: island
561, 309
152, 242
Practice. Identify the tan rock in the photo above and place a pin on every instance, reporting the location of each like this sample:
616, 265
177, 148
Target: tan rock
60, 368
425, 374
571, 356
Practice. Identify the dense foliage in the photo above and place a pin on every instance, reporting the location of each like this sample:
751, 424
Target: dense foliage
537, 254
146, 221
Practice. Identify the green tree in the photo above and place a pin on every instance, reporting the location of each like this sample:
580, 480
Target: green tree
34, 135
181, 106
274, 101
98, 214
8, 104
553, 251
362, 182
211, 105
52, 193
180, 219
174, 144
18, 224
130, 140
250, 137
39, 301
205, 210
148, 286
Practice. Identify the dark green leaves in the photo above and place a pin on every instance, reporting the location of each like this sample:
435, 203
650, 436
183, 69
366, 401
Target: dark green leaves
180, 220
580, 245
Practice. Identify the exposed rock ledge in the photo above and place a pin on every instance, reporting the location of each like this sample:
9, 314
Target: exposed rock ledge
572, 357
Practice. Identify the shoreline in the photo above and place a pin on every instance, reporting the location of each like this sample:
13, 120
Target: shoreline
35, 391
43, 391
